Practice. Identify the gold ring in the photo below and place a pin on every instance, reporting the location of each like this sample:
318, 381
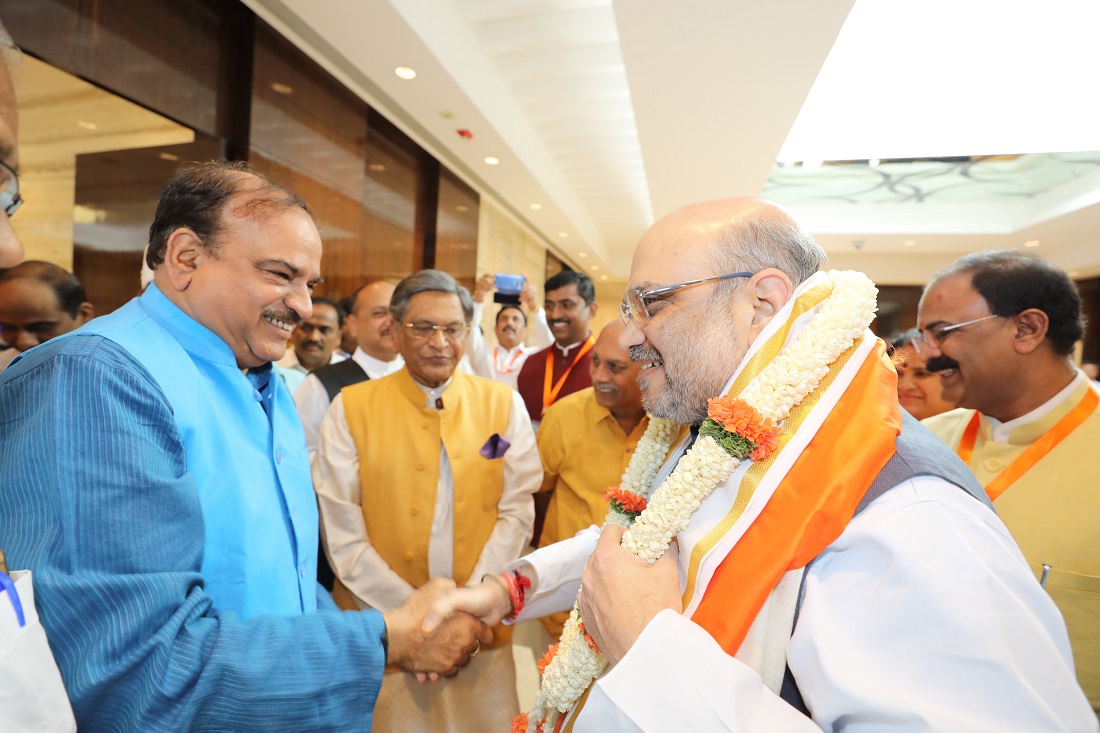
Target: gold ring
476, 648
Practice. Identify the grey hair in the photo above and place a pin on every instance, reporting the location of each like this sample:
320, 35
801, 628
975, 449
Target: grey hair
427, 281
755, 243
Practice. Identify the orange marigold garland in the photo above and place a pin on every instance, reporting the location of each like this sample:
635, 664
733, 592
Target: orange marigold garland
547, 658
739, 427
588, 638
625, 502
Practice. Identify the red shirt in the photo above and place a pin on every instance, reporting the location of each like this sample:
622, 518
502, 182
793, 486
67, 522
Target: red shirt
531, 380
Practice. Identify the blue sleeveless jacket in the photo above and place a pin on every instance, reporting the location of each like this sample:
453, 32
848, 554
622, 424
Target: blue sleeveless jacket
246, 455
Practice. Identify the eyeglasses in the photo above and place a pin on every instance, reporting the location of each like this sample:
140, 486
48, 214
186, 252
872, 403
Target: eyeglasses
934, 337
10, 200
636, 306
424, 330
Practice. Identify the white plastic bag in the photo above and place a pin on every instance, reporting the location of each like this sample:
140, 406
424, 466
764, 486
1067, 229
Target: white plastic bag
32, 696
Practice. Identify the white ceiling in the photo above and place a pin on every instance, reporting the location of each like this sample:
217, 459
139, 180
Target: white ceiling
605, 113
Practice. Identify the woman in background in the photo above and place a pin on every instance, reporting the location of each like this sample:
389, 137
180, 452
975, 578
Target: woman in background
918, 389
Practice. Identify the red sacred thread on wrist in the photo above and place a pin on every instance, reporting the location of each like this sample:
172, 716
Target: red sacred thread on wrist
517, 586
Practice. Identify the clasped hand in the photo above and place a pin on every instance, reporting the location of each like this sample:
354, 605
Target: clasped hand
441, 649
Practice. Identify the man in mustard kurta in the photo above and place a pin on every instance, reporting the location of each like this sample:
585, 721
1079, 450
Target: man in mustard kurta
1000, 327
427, 473
586, 441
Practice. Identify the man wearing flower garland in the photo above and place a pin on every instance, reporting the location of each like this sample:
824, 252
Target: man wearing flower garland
586, 441
802, 504
1000, 327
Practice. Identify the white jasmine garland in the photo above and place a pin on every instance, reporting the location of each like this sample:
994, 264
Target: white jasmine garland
782, 385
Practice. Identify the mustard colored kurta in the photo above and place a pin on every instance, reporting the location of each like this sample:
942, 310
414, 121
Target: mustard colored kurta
584, 452
1053, 513
398, 439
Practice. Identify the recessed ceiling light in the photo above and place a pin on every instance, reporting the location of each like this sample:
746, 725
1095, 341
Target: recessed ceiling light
873, 162
168, 156
1031, 243
376, 167
582, 254
491, 160
563, 235
1074, 273
86, 125
910, 243
405, 72
536, 207
594, 267
603, 277
280, 88
460, 208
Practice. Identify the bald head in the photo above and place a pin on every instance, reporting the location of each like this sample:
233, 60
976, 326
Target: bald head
739, 234
371, 321
694, 311
11, 249
614, 375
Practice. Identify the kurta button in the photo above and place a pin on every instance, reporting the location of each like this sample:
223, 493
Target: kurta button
302, 570
409, 556
414, 511
424, 424
992, 465
256, 394
279, 458
420, 467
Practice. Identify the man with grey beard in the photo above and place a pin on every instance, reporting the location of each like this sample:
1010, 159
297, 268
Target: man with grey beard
844, 520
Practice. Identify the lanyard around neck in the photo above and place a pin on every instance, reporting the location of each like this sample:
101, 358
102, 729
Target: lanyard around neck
1036, 451
511, 364
550, 393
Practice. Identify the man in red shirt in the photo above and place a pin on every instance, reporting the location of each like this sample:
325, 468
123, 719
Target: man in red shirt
562, 367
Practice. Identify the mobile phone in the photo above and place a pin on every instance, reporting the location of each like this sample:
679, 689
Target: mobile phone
508, 288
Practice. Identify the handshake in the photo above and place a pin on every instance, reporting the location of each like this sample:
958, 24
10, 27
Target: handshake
440, 628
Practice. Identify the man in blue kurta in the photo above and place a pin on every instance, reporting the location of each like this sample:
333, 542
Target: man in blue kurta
154, 477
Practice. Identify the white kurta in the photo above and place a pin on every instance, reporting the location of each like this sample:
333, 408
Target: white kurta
922, 615
496, 362
355, 561
312, 400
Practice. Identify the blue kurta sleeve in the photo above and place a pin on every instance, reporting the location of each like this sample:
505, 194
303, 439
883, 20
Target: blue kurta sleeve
96, 500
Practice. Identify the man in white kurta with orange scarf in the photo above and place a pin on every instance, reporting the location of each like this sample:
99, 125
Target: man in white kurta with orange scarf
911, 606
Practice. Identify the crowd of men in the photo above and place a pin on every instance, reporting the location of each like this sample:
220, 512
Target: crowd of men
175, 471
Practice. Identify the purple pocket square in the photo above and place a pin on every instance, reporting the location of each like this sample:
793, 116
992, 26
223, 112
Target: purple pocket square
495, 447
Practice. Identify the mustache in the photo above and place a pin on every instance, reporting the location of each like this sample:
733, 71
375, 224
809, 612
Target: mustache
644, 353
288, 316
940, 363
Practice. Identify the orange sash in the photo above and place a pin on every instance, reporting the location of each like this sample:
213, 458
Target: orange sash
1036, 451
812, 504
550, 393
